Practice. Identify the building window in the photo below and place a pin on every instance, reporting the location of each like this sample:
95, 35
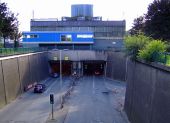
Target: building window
84, 35
30, 36
66, 37
24, 36
33, 36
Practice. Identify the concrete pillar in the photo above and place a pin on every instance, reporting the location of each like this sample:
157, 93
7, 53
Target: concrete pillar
79, 68
105, 69
90, 47
73, 47
74, 66
82, 69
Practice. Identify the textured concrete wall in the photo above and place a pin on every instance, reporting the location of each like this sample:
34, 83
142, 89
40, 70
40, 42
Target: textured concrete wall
148, 93
24, 72
33, 61
11, 78
44, 66
161, 98
77, 55
2, 90
106, 44
116, 65
17, 73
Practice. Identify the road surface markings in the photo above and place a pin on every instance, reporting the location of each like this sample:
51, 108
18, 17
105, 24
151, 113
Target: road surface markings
93, 85
50, 87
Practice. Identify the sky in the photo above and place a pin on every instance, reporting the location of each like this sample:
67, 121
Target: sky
109, 9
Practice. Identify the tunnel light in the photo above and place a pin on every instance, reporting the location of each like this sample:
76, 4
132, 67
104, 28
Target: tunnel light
66, 58
55, 58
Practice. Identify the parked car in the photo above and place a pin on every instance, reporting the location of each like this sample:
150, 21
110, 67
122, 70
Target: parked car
39, 88
55, 75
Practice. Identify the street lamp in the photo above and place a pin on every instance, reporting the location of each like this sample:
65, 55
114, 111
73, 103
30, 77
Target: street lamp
60, 69
61, 79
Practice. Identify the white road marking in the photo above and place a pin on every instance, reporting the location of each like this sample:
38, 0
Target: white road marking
50, 87
93, 85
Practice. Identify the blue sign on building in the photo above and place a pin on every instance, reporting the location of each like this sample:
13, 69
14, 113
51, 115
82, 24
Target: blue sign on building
58, 37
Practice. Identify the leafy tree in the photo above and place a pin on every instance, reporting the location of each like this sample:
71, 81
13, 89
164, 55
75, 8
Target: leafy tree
138, 26
16, 35
3, 12
158, 20
8, 22
135, 43
150, 51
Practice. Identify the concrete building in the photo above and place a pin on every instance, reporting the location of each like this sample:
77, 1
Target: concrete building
106, 34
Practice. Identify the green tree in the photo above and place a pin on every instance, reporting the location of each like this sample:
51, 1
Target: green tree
158, 20
16, 35
3, 12
135, 43
8, 22
138, 26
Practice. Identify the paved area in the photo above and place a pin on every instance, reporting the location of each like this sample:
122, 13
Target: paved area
31, 107
93, 100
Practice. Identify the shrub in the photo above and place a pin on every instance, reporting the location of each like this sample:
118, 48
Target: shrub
151, 50
135, 43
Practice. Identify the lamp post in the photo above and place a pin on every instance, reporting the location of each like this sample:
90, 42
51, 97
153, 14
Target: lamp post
60, 69
105, 71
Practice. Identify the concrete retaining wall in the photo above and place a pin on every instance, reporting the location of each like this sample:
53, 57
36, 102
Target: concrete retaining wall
24, 71
148, 93
2, 88
18, 73
116, 66
11, 79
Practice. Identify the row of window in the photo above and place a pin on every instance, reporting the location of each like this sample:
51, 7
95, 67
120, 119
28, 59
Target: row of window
63, 37
95, 29
115, 34
96, 34
30, 36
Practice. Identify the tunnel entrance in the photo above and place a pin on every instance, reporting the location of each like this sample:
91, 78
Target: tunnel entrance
55, 67
93, 67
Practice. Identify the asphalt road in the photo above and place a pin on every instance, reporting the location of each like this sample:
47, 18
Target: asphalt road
94, 100
31, 107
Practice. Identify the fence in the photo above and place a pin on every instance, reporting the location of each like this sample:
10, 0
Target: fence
163, 57
16, 51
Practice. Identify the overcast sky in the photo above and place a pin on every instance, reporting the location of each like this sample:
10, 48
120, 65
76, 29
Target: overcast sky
108, 9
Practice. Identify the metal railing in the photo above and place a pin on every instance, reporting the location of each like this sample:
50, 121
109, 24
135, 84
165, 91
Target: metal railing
16, 51
163, 58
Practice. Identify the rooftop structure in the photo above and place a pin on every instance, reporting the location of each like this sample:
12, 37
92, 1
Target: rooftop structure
82, 10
